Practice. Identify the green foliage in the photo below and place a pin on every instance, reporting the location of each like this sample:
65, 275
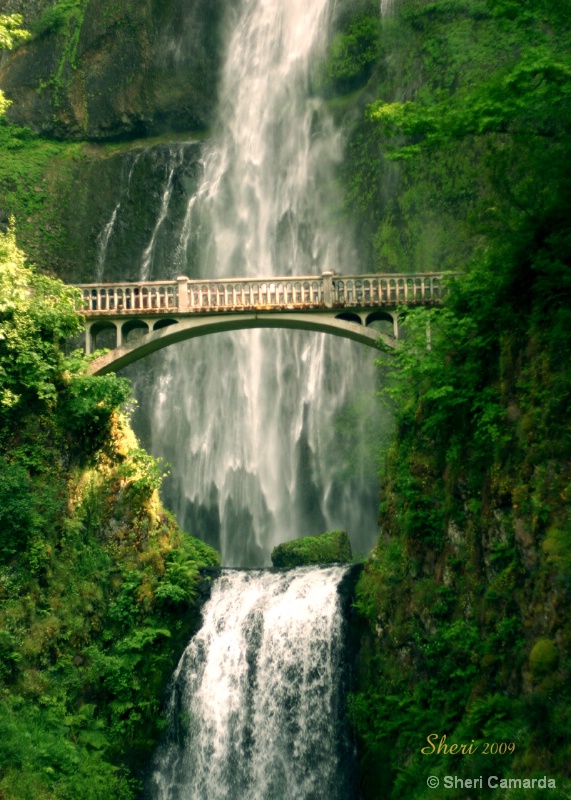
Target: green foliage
98, 586
94, 611
36, 314
327, 548
143, 473
47, 753
531, 99
58, 17
86, 407
33, 174
15, 507
458, 165
11, 31
557, 547
353, 52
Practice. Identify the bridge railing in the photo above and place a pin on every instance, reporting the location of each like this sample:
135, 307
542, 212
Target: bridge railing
129, 297
303, 292
245, 294
373, 290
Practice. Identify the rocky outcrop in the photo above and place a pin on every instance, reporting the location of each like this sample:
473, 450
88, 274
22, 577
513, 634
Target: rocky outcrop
115, 68
328, 548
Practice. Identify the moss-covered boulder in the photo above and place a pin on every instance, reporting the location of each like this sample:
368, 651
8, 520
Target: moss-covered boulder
328, 548
543, 658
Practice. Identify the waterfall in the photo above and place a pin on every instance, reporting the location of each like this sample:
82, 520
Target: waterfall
256, 711
258, 425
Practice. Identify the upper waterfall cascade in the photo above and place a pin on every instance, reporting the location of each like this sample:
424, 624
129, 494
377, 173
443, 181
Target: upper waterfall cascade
268, 432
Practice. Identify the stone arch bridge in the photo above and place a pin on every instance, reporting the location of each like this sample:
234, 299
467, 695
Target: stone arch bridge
148, 315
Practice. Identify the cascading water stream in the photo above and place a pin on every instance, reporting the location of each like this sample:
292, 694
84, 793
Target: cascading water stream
256, 707
250, 421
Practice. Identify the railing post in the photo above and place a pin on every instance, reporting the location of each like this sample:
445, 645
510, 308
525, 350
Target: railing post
182, 302
327, 280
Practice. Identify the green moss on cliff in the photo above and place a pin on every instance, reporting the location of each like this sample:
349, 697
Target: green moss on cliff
99, 588
328, 548
465, 601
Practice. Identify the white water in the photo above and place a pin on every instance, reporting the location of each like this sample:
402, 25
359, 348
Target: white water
255, 711
175, 161
250, 421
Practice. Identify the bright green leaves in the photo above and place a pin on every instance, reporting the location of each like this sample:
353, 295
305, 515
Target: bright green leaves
11, 31
86, 405
528, 96
36, 315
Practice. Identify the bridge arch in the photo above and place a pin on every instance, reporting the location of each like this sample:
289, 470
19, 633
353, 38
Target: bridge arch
164, 323
350, 316
103, 326
192, 327
131, 325
380, 315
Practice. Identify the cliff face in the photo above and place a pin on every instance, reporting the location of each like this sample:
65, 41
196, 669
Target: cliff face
101, 69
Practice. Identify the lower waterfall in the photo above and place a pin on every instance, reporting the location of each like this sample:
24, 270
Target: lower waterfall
256, 708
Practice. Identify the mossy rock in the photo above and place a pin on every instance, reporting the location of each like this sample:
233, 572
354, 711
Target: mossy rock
327, 548
543, 658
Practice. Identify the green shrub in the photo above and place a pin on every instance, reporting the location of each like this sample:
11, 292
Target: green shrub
86, 406
57, 17
354, 52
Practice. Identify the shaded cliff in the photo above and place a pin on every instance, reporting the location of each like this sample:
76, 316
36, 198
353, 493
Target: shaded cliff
464, 602
101, 69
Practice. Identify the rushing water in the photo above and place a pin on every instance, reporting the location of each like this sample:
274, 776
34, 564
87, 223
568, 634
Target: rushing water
252, 420
269, 433
256, 709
